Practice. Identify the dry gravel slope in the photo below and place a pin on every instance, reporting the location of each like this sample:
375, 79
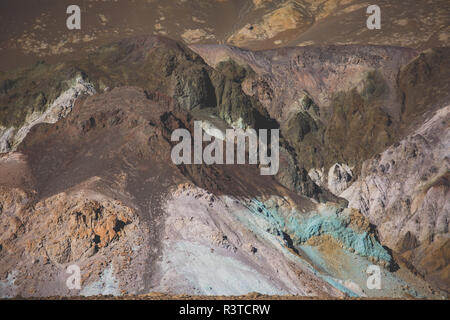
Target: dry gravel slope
364, 121
102, 180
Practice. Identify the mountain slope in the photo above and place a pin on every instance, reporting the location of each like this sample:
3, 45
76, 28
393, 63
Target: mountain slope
37, 31
96, 187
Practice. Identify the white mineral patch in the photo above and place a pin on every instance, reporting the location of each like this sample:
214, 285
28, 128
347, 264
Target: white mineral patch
11, 137
339, 178
7, 286
212, 130
216, 246
106, 285
215, 274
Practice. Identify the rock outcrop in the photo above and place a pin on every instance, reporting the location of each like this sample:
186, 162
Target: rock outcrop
405, 192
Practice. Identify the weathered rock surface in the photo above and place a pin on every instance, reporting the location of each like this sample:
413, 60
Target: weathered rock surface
11, 137
98, 188
405, 192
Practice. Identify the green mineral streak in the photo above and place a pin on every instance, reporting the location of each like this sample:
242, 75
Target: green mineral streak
329, 221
